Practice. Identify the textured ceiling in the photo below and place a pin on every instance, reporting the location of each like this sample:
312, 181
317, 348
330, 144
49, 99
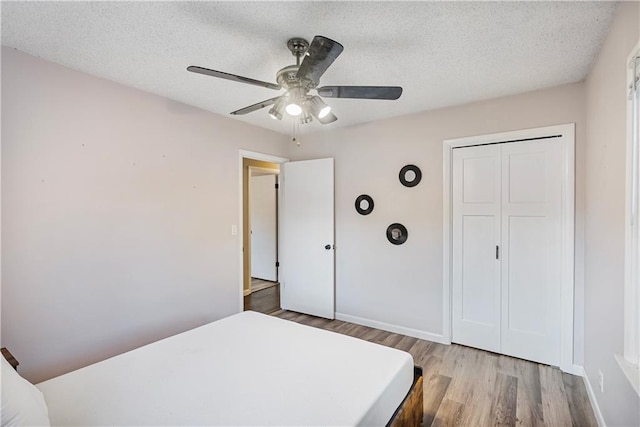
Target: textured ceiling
441, 53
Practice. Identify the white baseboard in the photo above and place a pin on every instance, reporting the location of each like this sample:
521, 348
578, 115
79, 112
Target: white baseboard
592, 399
429, 336
576, 370
246, 292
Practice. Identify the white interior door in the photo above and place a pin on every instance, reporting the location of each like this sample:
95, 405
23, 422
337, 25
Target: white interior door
476, 233
263, 221
307, 238
531, 243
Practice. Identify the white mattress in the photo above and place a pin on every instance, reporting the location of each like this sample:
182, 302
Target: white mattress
248, 369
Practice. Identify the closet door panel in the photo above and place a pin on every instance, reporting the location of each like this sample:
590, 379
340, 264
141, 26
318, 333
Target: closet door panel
531, 250
527, 270
476, 232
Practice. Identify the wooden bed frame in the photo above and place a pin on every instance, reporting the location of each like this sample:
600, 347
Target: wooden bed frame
409, 413
12, 360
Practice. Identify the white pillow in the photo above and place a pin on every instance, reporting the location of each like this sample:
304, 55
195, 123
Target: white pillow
22, 403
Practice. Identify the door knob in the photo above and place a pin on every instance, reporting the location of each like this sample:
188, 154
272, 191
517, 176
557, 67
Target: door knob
327, 247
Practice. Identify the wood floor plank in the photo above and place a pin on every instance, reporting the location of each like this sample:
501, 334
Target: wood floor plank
529, 409
473, 383
449, 355
449, 414
503, 406
464, 386
420, 352
431, 365
482, 389
578, 400
529, 404
266, 301
406, 343
434, 390
555, 405
375, 335
392, 340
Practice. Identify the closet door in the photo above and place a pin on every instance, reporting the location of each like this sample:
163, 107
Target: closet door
531, 250
476, 233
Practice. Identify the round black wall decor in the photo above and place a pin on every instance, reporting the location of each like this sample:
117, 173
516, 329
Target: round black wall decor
410, 175
397, 234
364, 204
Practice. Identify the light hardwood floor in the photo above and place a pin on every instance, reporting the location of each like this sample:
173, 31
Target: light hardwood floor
264, 301
259, 284
468, 387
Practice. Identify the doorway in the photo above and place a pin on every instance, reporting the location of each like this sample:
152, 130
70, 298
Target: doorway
305, 233
260, 240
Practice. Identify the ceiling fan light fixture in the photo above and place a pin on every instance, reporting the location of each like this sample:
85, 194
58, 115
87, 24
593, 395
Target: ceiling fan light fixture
329, 118
295, 99
294, 109
275, 114
318, 108
305, 118
276, 111
324, 111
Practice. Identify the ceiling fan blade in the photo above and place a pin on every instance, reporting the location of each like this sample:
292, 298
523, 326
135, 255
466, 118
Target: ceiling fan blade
361, 92
232, 77
321, 53
255, 107
329, 118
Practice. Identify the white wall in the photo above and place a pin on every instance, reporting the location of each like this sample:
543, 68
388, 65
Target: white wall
402, 285
605, 199
116, 215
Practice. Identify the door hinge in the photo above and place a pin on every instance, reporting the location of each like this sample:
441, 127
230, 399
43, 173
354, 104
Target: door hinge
497, 252
277, 185
277, 264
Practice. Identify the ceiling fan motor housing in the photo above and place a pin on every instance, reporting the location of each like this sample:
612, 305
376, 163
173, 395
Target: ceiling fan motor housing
288, 79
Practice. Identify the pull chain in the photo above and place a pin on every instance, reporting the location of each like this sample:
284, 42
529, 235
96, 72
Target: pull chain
295, 132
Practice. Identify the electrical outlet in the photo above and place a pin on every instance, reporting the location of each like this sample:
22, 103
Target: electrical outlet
601, 381
234, 230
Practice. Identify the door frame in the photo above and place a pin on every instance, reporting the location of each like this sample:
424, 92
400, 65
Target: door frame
567, 139
255, 156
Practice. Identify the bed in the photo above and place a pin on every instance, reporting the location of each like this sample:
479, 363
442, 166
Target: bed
247, 369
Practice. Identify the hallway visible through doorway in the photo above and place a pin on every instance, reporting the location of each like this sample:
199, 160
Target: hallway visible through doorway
259, 284
264, 301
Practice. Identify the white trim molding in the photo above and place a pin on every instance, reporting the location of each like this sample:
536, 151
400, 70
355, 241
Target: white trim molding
630, 371
630, 359
255, 156
580, 371
577, 370
415, 333
567, 139
594, 402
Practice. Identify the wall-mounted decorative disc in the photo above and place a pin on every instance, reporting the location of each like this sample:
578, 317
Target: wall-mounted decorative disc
364, 204
397, 234
410, 175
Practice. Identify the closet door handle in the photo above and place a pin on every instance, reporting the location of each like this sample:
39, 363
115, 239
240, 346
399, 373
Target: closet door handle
497, 252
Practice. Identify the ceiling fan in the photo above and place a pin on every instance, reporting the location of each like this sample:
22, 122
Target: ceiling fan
300, 79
